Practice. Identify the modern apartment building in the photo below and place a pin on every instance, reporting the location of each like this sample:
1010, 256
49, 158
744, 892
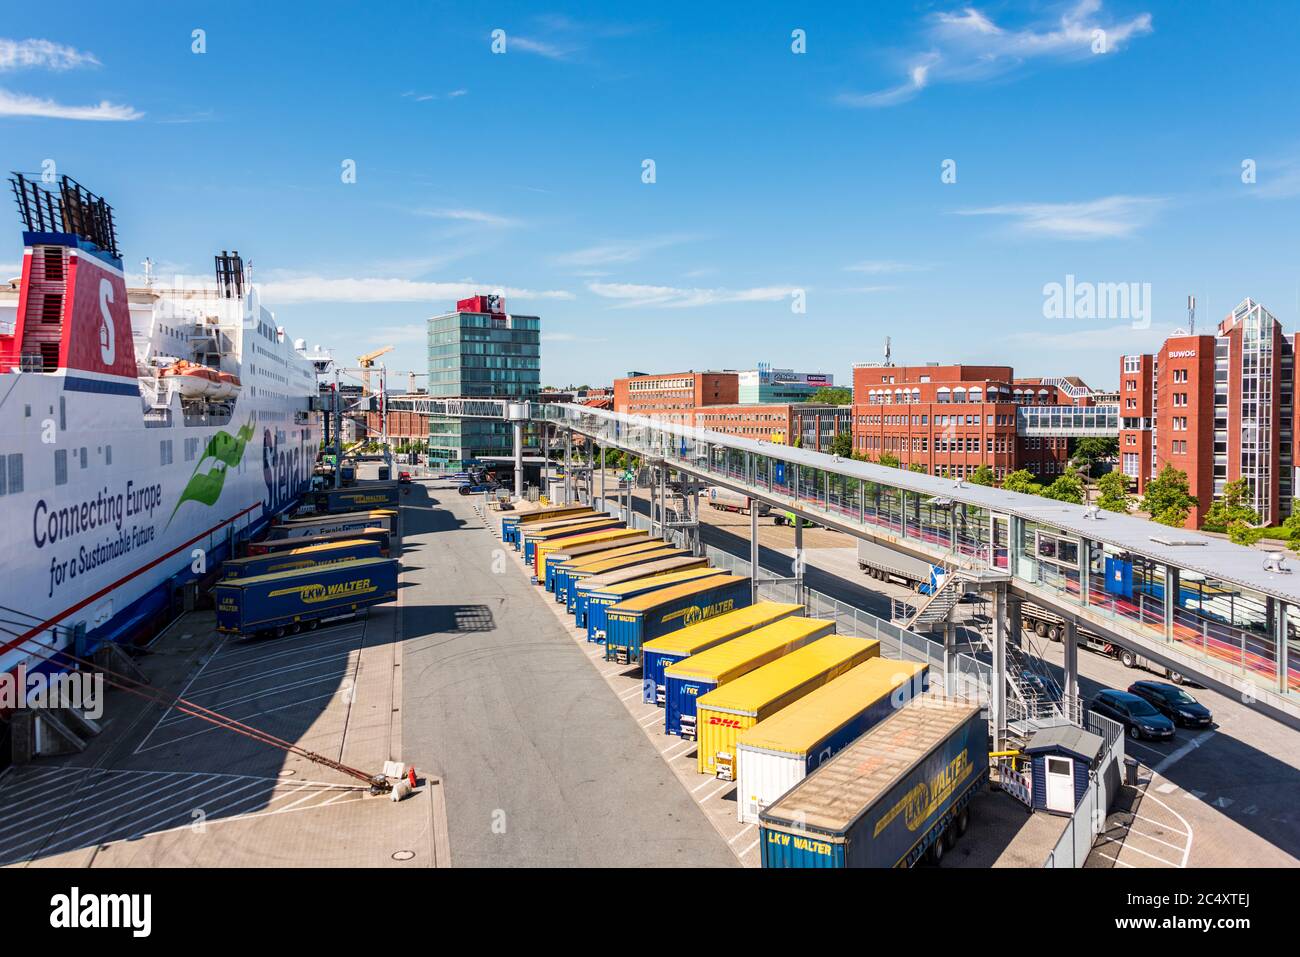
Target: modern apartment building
952, 419
480, 350
1219, 407
765, 385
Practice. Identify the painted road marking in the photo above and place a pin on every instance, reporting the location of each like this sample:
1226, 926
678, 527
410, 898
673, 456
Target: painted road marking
1175, 756
741, 833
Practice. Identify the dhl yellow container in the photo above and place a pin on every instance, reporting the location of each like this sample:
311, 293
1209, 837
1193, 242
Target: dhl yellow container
779, 752
685, 682
658, 653
545, 549
725, 712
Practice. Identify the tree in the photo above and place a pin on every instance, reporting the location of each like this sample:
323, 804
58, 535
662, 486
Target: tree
1167, 500
1022, 480
1096, 448
890, 459
1066, 488
1292, 526
916, 467
842, 445
833, 395
1114, 492
982, 476
1231, 508
1243, 534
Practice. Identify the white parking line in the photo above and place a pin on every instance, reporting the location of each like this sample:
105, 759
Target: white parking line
712, 794
1175, 756
628, 693
1147, 837
748, 849
1115, 859
702, 785
1138, 850
741, 833
1139, 817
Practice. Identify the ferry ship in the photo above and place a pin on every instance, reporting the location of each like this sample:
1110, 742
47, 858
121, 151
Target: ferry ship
143, 431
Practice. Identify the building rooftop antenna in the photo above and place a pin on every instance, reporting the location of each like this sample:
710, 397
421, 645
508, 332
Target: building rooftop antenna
888, 359
1191, 315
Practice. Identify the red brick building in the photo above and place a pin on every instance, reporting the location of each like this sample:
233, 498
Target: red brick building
813, 425
1219, 407
675, 396
952, 419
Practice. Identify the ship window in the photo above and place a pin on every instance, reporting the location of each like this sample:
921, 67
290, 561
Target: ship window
108, 455
60, 466
83, 458
63, 414
165, 452
15, 470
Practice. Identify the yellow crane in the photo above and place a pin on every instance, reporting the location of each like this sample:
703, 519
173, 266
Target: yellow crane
366, 362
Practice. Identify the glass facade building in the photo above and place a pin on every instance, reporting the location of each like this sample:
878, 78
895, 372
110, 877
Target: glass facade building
476, 355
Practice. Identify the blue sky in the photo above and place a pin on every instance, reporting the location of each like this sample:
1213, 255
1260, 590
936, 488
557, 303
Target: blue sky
775, 172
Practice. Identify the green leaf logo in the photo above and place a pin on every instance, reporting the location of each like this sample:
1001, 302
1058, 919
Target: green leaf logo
227, 451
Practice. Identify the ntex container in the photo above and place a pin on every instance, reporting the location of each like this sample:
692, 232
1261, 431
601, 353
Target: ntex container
289, 599
600, 600
324, 524
269, 545
578, 565
633, 622
532, 536
658, 654
370, 495
779, 752
887, 797
304, 557
725, 712
544, 550
685, 682
607, 571
560, 557
510, 524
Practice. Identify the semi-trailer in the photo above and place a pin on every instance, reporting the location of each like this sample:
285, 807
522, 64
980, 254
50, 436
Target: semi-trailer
268, 545
685, 682
633, 622
725, 500
658, 654
565, 572
725, 712
302, 598
367, 496
1047, 624
779, 752
517, 533
543, 550
343, 522
546, 532
560, 556
600, 600
899, 792
885, 564
305, 557
672, 561
510, 524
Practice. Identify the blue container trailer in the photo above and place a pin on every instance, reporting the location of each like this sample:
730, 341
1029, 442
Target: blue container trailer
895, 795
624, 568
267, 545
298, 558
358, 497
600, 600
510, 524
584, 567
531, 536
635, 621
291, 600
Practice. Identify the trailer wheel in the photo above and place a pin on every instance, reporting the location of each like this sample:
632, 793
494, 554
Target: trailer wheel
313, 624
949, 837
1175, 677
1054, 633
937, 849
1040, 629
1128, 659
963, 821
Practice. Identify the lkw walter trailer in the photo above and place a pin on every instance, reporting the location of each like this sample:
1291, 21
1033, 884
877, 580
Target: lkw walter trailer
267, 545
547, 532
306, 556
631, 623
593, 564
609, 571
290, 601
369, 495
561, 555
304, 527
896, 794
600, 600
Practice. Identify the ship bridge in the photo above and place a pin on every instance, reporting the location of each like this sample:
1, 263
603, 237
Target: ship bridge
1223, 615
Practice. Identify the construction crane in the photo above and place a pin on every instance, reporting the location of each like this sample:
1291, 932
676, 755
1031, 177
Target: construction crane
366, 362
410, 379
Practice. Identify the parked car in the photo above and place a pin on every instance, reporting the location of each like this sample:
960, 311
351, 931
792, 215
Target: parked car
1174, 703
404, 478
1139, 716
472, 488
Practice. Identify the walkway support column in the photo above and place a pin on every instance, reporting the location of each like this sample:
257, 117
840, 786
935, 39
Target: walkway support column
753, 550
602, 478
998, 691
1071, 689
517, 413
949, 655
568, 467
663, 501
798, 557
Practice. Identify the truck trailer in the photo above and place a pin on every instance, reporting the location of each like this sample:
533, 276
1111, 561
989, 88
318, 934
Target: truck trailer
284, 601
542, 551
885, 564
510, 524
549, 532
558, 557
578, 568
599, 600
672, 562
725, 712
725, 500
367, 496
307, 556
658, 654
779, 752
895, 795
267, 545
343, 522
685, 682
633, 622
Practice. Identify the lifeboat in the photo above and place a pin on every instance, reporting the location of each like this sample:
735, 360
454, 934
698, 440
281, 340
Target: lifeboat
194, 381
227, 386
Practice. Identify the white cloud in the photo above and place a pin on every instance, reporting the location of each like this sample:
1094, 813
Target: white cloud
631, 295
1107, 218
310, 288
1114, 339
877, 267
469, 216
18, 104
552, 51
455, 93
1276, 180
617, 251
400, 335
10, 270
29, 54
968, 46
569, 337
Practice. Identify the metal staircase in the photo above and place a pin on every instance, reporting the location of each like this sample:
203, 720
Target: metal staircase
938, 605
1031, 703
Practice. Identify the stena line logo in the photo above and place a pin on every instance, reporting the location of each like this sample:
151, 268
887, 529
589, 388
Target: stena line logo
77, 910
107, 343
